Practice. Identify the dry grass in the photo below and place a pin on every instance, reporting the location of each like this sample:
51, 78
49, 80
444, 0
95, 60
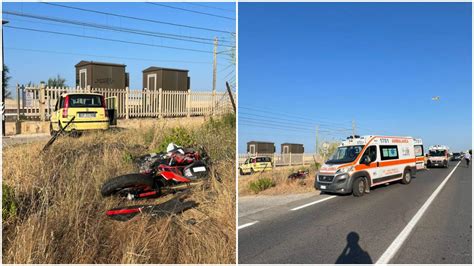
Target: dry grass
61, 214
282, 184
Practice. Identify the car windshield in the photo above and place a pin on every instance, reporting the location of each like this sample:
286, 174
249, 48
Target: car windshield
456, 154
437, 152
345, 154
85, 100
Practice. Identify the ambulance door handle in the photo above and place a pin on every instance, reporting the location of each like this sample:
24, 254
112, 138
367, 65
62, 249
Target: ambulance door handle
377, 164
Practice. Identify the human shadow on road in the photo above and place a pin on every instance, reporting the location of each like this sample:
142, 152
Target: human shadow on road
353, 253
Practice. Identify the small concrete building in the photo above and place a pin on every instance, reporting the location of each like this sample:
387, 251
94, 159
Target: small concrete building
101, 75
292, 148
260, 147
168, 79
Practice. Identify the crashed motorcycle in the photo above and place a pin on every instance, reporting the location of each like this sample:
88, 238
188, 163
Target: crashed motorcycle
176, 169
299, 175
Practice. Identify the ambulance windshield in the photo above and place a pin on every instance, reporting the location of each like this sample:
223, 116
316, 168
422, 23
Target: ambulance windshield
437, 152
345, 154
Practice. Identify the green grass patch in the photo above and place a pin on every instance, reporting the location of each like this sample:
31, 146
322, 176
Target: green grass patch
261, 184
9, 206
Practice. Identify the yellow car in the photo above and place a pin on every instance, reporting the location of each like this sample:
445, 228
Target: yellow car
256, 164
88, 109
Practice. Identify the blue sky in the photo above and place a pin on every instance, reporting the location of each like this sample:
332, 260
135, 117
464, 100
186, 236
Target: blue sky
379, 64
55, 50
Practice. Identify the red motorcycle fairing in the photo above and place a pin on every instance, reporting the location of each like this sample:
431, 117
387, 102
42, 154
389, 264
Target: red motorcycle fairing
168, 175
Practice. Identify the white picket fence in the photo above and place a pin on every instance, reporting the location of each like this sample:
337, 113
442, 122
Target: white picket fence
286, 159
39, 102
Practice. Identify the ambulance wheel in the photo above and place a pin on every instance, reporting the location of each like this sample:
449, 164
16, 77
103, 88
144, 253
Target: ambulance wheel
406, 177
358, 187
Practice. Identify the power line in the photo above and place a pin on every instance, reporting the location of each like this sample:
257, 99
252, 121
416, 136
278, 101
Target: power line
292, 121
303, 118
189, 10
231, 73
268, 127
294, 117
270, 123
105, 56
120, 29
212, 7
135, 18
111, 40
287, 121
255, 124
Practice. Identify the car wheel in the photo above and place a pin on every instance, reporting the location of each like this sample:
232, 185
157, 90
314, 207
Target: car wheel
241, 172
406, 177
358, 187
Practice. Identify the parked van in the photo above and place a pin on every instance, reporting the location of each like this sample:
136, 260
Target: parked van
438, 155
360, 163
256, 164
88, 109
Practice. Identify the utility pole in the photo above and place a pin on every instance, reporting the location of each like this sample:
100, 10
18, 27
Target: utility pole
214, 68
3, 85
317, 138
353, 128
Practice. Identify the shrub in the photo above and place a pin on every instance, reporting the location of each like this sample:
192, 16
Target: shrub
127, 157
261, 184
179, 136
224, 121
9, 203
316, 166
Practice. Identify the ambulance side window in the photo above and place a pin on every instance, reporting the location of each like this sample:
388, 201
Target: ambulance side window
388, 152
418, 150
371, 151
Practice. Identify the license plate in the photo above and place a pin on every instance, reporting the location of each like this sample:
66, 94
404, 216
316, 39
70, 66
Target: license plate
436, 164
86, 115
323, 187
199, 169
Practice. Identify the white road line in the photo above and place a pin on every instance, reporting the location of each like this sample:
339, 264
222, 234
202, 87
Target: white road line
312, 203
246, 225
398, 242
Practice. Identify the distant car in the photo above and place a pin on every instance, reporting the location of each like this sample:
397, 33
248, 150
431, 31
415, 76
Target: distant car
456, 156
256, 164
88, 109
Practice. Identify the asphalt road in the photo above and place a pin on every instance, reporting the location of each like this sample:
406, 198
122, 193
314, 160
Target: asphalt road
345, 229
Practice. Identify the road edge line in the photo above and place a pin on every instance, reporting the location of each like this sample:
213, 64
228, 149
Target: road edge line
312, 203
400, 239
246, 225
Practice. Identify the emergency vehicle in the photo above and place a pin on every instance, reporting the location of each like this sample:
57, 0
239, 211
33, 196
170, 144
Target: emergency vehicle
438, 155
360, 163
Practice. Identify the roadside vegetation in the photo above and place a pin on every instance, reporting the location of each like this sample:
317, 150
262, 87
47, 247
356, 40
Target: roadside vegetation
53, 211
276, 182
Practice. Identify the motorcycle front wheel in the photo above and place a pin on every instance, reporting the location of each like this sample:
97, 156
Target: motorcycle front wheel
130, 184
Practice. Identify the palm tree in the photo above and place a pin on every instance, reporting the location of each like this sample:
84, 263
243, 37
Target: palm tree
5, 79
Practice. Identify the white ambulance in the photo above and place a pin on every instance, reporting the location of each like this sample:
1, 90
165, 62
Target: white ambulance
438, 155
360, 163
